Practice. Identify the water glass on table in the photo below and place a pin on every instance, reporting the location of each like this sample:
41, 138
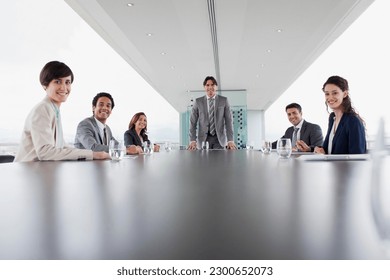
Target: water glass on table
116, 149
250, 145
167, 146
283, 148
266, 147
148, 148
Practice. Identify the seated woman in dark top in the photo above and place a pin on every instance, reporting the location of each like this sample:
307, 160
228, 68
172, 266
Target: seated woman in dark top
346, 129
137, 135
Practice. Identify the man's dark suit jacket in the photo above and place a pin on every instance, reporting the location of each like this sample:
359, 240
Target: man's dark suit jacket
311, 134
350, 137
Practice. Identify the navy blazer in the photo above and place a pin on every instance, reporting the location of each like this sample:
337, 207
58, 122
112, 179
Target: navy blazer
350, 137
311, 134
131, 138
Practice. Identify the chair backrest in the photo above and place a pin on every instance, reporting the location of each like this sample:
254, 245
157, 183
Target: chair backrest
6, 158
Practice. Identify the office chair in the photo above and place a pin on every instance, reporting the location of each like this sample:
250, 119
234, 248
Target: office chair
6, 158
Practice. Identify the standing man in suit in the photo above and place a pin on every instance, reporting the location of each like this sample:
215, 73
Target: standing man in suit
304, 135
93, 133
212, 113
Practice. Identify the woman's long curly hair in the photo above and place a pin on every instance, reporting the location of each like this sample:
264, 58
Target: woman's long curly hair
347, 103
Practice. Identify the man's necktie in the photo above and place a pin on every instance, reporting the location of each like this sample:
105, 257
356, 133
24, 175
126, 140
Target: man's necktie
211, 116
294, 137
105, 137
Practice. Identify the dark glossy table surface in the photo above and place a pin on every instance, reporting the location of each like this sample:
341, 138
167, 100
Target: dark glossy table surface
188, 205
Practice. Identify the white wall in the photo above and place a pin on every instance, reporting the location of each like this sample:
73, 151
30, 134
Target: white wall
256, 128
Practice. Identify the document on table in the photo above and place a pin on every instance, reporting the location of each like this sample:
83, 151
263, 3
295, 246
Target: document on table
322, 157
130, 156
302, 153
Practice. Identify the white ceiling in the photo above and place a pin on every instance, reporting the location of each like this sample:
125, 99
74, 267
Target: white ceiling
223, 38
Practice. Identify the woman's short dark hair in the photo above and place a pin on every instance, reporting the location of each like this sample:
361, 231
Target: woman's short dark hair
54, 70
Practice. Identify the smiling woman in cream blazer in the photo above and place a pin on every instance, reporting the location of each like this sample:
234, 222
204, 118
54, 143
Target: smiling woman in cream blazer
42, 137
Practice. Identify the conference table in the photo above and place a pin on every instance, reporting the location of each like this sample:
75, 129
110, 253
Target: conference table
189, 205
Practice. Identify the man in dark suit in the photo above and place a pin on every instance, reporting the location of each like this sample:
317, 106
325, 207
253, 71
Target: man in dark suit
304, 135
212, 117
93, 133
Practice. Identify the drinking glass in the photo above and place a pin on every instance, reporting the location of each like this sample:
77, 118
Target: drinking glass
283, 148
205, 145
116, 149
147, 147
167, 146
266, 147
250, 145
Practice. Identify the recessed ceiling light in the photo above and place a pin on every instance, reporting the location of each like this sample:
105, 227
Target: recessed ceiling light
269, 50
149, 34
130, 4
262, 65
173, 67
163, 53
279, 30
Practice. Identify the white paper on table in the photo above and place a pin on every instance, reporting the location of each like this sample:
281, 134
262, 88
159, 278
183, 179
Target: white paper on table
322, 157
